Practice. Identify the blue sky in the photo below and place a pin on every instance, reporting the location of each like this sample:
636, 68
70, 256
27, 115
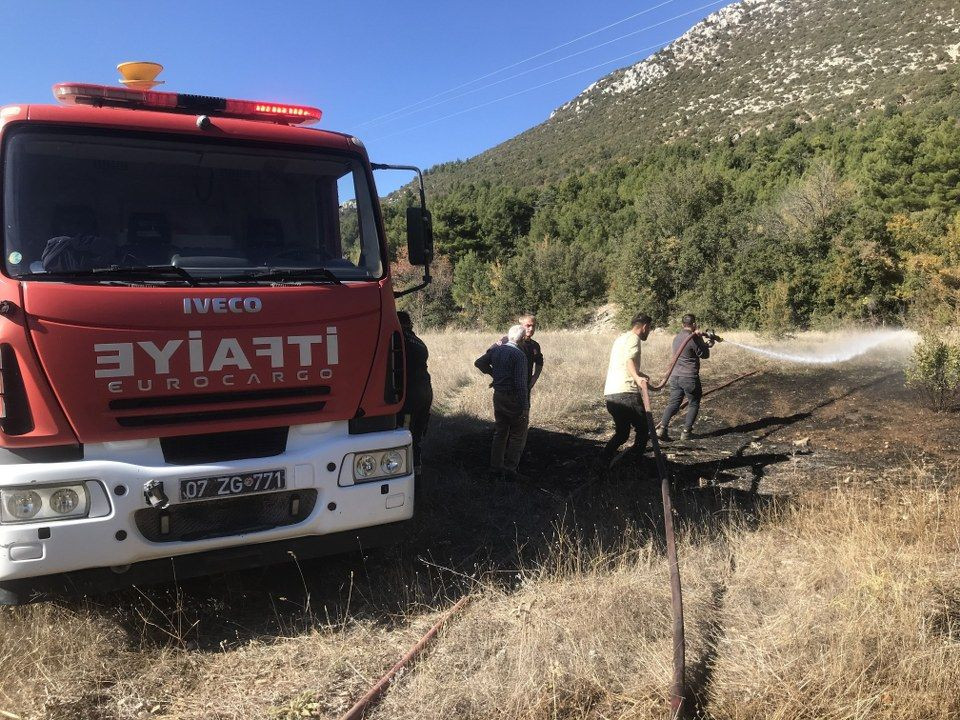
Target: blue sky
362, 63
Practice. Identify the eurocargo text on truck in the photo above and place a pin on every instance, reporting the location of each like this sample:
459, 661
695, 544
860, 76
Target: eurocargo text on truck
200, 358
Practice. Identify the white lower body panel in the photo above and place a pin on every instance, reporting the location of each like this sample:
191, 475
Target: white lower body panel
317, 458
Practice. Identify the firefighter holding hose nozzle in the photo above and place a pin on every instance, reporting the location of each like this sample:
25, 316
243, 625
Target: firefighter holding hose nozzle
685, 378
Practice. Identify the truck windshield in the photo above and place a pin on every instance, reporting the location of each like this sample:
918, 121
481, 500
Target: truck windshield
82, 202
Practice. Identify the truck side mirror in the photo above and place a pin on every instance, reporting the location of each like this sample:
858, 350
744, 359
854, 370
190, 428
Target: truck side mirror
419, 231
419, 236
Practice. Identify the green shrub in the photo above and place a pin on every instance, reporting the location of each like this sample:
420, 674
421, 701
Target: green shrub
775, 313
935, 369
471, 289
561, 283
433, 306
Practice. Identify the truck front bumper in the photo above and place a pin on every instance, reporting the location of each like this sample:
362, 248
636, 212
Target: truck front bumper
211, 562
321, 501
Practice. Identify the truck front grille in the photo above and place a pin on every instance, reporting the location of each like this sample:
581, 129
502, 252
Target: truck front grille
223, 447
221, 518
215, 415
176, 409
238, 396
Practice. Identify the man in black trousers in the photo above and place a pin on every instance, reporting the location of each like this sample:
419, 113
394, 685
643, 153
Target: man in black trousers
685, 378
621, 391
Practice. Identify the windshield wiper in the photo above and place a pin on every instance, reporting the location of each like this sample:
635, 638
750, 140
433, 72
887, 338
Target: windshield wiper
115, 272
281, 274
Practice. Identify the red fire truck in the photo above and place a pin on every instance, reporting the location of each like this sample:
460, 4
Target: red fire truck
200, 357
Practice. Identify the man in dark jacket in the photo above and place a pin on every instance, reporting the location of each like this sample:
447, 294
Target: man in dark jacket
415, 413
507, 364
685, 378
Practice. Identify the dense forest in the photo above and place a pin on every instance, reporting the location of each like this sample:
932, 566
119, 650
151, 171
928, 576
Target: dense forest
798, 225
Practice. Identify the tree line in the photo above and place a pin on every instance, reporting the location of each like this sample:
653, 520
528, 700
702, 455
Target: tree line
800, 225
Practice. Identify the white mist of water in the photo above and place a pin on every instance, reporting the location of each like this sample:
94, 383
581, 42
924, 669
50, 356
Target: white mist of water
841, 350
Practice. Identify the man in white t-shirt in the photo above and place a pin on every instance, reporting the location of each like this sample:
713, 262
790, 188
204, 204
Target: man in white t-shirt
622, 389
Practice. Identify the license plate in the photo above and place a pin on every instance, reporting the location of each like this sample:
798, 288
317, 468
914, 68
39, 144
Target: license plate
220, 486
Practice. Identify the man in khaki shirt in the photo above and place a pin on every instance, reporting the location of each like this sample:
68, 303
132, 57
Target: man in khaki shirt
622, 389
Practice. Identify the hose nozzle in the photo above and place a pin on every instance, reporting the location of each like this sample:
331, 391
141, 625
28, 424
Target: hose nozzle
711, 335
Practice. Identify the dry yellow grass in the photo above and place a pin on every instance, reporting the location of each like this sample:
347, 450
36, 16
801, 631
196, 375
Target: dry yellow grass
576, 366
851, 609
845, 605
848, 607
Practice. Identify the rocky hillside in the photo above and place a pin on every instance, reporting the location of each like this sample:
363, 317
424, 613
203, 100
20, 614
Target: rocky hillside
748, 66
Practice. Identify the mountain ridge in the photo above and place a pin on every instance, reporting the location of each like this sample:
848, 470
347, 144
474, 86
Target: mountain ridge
745, 67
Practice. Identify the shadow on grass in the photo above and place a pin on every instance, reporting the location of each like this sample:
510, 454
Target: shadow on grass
467, 531
775, 423
767, 422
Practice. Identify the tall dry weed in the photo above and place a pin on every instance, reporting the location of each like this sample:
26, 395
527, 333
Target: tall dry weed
850, 610
844, 607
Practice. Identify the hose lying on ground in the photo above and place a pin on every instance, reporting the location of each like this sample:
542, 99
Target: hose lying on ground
678, 685
374, 694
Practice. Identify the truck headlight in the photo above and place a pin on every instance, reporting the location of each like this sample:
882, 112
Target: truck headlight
64, 501
380, 464
44, 502
22, 504
391, 462
365, 466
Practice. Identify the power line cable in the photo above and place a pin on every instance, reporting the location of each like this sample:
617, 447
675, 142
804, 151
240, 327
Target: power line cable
520, 92
656, 47
540, 67
519, 62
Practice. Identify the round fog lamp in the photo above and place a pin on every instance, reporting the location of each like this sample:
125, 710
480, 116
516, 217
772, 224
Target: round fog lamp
23, 504
64, 501
366, 466
392, 461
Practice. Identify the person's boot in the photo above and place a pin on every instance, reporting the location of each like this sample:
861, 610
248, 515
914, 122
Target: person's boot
638, 448
511, 475
685, 435
663, 435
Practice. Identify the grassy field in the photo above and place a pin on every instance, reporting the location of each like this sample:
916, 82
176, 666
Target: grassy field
820, 552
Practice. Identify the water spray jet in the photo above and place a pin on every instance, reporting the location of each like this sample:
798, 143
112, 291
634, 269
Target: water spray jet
852, 348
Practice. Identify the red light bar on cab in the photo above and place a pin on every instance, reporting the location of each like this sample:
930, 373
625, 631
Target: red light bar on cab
107, 96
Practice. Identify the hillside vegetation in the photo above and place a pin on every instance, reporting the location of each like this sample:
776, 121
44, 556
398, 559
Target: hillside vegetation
746, 67
840, 204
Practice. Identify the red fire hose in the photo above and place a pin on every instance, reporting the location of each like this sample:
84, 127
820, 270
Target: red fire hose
374, 694
678, 686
